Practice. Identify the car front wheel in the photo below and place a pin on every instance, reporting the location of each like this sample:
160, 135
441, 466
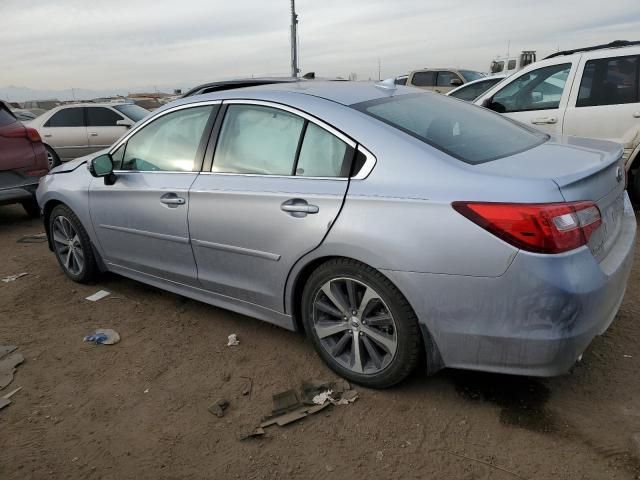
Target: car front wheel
360, 324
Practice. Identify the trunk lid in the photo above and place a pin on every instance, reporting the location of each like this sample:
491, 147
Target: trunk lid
583, 169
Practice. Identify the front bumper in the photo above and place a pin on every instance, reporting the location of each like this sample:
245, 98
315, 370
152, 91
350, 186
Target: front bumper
536, 319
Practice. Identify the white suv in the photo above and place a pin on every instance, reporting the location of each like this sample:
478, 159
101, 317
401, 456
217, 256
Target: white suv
591, 92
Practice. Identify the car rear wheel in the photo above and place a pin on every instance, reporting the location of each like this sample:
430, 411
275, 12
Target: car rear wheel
52, 157
360, 324
71, 245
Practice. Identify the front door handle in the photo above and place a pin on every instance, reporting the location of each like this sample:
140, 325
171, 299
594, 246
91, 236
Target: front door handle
94, 134
636, 114
172, 200
544, 120
298, 207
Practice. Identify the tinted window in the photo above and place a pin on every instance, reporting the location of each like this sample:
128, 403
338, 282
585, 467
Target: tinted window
401, 81
497, 67
134, 112
5, 117
468, 133
539, 89
323, 154
472, 91
68, 117
609, 81
169, 143
424, 79
470, 75
511, 65
444, 78
102, 117
256, 139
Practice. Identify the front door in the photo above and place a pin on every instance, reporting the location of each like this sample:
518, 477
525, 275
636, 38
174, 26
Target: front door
102, 127
443, 81
607, 103
141, 220
277, 184
537, 98
66, 132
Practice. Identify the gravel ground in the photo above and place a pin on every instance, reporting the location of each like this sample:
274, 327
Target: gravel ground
138, 409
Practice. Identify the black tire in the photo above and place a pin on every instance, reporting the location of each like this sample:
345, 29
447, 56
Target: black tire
408, 346
88, 271
31, 207
53, 160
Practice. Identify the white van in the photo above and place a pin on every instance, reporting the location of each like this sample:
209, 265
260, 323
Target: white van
590, 92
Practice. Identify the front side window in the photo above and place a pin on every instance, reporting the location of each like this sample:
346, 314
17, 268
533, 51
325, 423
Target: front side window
424, 79
68, 117
511, 65
609, 81
102, 117
473, 91
169, 143
539, 89
497, 67
444, 78
401, 81
470, 134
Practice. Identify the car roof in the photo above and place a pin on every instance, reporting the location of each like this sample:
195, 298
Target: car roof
614, 44
90, 104
345, 93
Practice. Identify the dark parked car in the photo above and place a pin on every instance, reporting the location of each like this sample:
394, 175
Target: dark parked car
23, 160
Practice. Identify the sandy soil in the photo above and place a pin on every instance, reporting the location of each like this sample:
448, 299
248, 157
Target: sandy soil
84, 413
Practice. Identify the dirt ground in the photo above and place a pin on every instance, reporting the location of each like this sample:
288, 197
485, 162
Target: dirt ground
138, 409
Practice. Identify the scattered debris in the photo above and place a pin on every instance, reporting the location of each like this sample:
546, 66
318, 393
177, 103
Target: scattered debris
233, 340
37, 238
379, 455
502, 469
247, 386
4, 400
289, 407
146, 390
103, 336
8, 363
219, 408
628, 356
99, 295
13, 278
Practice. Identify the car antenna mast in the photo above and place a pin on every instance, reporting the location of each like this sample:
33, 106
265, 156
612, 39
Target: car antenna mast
294, 40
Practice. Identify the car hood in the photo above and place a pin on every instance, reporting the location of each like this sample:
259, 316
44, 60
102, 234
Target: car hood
75, 163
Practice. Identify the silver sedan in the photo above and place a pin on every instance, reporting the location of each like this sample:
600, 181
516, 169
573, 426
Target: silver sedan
387, 224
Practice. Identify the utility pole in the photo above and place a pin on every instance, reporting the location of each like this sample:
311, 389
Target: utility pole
294, 40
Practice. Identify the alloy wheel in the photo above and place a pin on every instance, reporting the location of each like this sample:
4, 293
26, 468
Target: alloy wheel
51, 162
354, 325
67, 245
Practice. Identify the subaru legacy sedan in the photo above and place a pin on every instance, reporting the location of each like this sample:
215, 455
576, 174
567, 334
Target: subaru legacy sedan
387, 224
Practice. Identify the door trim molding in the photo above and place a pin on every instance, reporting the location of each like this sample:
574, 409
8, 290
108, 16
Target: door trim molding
144, 233
274, 257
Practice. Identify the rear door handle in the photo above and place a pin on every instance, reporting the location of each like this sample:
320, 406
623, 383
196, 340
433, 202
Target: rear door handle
636, 114
544, 120
94, 134
298, 207
47, 135
172, 200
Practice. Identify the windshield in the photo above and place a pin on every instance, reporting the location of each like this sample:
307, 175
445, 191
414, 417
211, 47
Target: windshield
466, 132
471, 91
470, 75
134, 112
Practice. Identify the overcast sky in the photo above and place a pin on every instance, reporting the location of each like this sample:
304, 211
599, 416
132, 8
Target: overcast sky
58, 44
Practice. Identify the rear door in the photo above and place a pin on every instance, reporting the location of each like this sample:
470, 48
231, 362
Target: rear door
607, 103
276, 185
103, 128
443, 81
537, 97
66, 132
426, 80
141, 220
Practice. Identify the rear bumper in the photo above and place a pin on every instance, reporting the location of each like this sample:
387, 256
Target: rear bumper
536, 319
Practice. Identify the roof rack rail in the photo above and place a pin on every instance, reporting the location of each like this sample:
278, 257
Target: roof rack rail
614, 44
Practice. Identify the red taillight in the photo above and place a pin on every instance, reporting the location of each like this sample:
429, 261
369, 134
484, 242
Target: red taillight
33, 135
540, 228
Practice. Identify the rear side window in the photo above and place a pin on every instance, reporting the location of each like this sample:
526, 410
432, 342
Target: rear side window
268, 141
5, 117
468, 133
68, 117
609, 81
102, 117
424, 79
511, 65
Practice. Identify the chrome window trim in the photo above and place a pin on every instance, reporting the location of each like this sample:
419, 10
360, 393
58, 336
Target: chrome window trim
152, 118
369, 163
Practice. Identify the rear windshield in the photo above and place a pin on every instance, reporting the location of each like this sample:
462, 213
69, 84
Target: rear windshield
469, 133
6, 117
470, 75
134, 112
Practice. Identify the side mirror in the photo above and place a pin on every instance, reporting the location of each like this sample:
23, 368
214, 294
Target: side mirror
102, 167
455, 82
124, 123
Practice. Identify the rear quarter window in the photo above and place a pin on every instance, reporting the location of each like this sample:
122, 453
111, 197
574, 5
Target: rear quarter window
464, 131
6, 118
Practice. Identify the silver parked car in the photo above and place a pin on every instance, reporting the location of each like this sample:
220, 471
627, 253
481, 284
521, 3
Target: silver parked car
74, 130
388, 224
